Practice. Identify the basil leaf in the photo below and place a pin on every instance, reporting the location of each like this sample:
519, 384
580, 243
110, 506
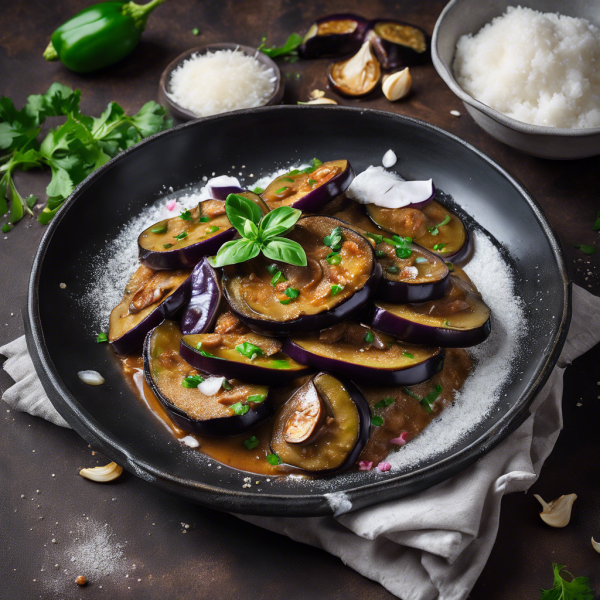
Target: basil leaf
239, 209
285, 250
235, 251
250, 230
279, 221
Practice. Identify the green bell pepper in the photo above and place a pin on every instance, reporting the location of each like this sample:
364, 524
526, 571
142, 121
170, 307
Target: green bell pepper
99, 35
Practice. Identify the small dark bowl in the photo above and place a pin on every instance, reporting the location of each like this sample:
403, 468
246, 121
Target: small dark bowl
183, 114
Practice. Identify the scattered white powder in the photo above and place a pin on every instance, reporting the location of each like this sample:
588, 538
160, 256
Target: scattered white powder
339, 503
539, 68
217, 82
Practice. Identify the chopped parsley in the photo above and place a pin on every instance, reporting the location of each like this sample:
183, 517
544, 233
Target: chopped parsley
292, 294
204, 219
251, 442
385, 402
402, 245
186, 215
277, 278
369, 337
334, 258
336, 289
249, 350
281, 190
434, 230
408, 355
239, 409
181, 235
192, 381
160, 229
167, 246
375, 237
258, 190
577, 588
280, 364
101, 337
334, 239
585, 248
274, 459
257, 398
376, 420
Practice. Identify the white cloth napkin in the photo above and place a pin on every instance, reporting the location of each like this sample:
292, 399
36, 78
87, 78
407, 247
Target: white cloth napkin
434, 544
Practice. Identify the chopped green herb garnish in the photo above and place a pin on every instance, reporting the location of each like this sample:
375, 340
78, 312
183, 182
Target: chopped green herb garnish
439, 247
274, 459
426, 401
450, 266
402, 245
420, 259
226, 385
281, 190
181, 235
385, 402
369, 337
376, 420
101, 337
375, 237
249, 350
393, 269
251, 442
195, 31
446, 323
160, 229
408, 355
258, 190
292, 294
334, 239
287, 179
212, 229
403, 252
186, 215
272, 269
434, 230
336, 289
167, 246
288, 49
312, 182
204, 219
7, 227
411, 394
315, 162
280, 364
380, 253
277, 278
585, 248
294, 172
257, 398
192, 381
335, 258
204, 352
596, 226
576, 588
239, 409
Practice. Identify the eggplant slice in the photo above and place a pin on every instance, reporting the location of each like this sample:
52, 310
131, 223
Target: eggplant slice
150, 296
323, 427
278, 299
190, 408
356, 351
459, 320
205, 298
397, 43
310, 189
333, 35
247, 356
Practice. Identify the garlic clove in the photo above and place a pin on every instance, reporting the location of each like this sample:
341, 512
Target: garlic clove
320, 101
91, 377
356, 76
596, 545
315, 94
103, 474
558, 512
397, 85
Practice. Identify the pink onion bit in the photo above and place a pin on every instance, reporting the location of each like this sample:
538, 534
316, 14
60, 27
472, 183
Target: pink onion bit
401, 440
384, 466
365, 465
171, 204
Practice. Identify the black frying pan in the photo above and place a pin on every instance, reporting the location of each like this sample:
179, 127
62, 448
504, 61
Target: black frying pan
112, 420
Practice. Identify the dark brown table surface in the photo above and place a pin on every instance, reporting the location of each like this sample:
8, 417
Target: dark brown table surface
147, 551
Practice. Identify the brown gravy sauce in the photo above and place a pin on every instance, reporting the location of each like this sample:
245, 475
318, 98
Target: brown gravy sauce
404, 414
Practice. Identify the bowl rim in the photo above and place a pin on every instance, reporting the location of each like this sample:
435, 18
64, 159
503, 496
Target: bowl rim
446, 73
184, 114
282, 504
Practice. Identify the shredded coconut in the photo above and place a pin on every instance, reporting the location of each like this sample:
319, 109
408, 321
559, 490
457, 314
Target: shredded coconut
217, 82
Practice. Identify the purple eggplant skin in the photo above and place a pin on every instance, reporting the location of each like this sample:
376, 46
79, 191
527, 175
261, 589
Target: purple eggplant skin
424, 203
250, 373
206, 295
463, 253
392, 55
218, 427
364, 427
133, 340
336, 44
362, 373
419, 333
307, 323
186, 257
221, 192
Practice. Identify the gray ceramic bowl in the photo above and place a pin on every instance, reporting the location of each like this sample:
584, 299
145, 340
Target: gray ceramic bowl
183, 114
469, 16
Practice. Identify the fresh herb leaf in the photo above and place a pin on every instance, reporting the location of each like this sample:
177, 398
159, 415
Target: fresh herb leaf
239, 409
439, 247
375, 237
288, 49
258, 190
251, 442
376, 420
312, 182
335, 258
192, 381
282, 189
292, 294
186, 215
7, 227
240, 209
446, 323
576, 589
101, 337
427, 401
280, 364
214, 228
434, 230
336, 289
585, 248
315, 162
249, 350
285, 250
403, 252
334, 239
274, 459
411, 394
203, 352
234, 252
257, 398
278, 221
181, 236
369, 337
204, 219
287, 179
596, 225
408, 355
278, 277
160, 229
385, 402
450, 267
401, 244
167, 246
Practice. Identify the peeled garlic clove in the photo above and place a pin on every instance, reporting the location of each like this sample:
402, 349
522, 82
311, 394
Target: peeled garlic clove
397, 85
356, 76
91, 377
320, 101
315, 94
558, 512
596, 545
102, 474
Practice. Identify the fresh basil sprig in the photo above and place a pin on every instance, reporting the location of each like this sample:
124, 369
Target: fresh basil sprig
259, 234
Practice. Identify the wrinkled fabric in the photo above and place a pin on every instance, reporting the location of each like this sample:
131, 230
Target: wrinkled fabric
429, 546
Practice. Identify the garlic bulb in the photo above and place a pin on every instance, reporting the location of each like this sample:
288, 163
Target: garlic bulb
596, 545
103, 474
397, 85
558, 512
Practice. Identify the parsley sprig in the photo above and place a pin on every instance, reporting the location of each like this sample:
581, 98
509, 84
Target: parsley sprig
259, 234
576, 589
